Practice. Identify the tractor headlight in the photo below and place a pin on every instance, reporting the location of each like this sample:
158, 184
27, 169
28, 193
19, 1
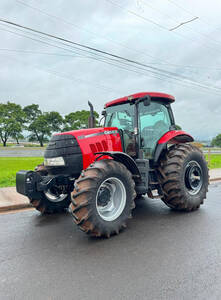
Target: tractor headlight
54, 161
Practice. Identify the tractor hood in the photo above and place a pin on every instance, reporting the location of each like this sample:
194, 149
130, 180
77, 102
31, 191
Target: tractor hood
85, 142
91, 132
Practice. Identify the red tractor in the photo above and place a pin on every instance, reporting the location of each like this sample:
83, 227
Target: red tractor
99, 172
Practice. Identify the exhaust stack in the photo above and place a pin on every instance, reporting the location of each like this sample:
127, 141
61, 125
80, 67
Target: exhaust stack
91, 119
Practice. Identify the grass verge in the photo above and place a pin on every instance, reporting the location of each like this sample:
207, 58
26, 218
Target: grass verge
10, 165
215, 161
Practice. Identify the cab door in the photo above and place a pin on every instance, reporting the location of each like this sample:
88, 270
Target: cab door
154, 121
122, 117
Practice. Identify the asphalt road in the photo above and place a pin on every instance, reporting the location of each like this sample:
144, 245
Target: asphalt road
162, 255
21, 152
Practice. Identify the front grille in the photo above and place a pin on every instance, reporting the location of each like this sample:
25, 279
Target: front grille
65, 145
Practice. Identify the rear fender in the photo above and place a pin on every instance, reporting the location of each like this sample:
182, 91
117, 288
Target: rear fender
125, 159
171, 137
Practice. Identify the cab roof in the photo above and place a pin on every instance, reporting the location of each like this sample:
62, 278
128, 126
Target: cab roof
154, 96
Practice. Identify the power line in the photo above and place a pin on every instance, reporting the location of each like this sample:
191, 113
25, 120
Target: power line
146, 3
105, 88
102, 58
120, 65
108, 39
38, 52
72, 78
200, 19
81, 56
182, 23
68, 41
90, 48
187, 11
85, 30
158, 25
163, 72
95, 56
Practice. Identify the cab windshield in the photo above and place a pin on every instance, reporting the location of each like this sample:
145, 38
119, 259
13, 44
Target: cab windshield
153, 120
120, 116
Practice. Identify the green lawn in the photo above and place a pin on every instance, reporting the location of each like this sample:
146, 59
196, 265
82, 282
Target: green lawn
215, 161
10, 165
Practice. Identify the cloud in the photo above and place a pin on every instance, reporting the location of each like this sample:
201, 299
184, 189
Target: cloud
66, 83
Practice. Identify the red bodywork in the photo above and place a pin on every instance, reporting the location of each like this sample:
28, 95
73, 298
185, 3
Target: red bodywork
153, 95
175, 137
94, 140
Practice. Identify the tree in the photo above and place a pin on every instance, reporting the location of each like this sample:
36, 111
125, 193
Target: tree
78, 120
45, 125
16, 132
32, 112
11, 121
216, 141
41, 125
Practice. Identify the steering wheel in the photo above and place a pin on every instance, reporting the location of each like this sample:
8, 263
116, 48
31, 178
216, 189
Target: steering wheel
128, 132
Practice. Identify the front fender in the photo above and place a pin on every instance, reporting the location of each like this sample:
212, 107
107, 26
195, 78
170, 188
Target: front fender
125, 159
171, 137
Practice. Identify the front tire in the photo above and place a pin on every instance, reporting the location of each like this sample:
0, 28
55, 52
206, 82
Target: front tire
50, 201
103, 198
183, 175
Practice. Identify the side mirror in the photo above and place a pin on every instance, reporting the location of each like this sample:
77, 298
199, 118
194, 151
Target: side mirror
146, 101
104, 113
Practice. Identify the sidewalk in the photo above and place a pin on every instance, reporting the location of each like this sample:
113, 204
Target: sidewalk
11, 200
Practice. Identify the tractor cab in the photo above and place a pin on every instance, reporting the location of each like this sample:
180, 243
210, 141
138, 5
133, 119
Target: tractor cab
142, 119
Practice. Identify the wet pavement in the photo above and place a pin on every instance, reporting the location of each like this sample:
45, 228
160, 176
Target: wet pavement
21, 152
162, 255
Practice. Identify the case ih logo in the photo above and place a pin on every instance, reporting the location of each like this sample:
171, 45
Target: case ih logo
97, 134
110, 132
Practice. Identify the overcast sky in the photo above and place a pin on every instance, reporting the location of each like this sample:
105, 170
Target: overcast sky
58, 80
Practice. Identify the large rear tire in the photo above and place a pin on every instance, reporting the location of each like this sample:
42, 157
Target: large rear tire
183, 175
50, 201
103, 198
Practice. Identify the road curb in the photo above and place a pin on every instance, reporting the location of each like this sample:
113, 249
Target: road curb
11, 200
15, 207
215, 179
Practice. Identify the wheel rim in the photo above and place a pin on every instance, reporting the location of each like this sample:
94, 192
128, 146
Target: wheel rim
193, 177
111, 199
54, 197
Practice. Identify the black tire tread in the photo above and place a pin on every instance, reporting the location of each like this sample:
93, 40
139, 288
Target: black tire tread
170, 167
83, 195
